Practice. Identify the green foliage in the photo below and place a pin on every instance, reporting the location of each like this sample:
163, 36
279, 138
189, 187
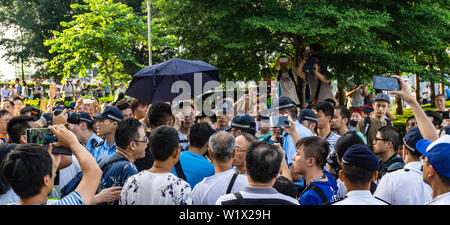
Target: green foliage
360, 38
102, 37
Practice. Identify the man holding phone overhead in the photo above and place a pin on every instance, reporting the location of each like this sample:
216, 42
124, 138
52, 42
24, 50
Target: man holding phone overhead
287, 78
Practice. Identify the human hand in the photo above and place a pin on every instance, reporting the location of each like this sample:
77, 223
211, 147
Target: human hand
404, 91
108, 195
66, 138
60, 119
291, 129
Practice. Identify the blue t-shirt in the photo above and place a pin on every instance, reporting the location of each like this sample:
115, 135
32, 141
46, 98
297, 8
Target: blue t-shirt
195, 167
115, 174
329, 188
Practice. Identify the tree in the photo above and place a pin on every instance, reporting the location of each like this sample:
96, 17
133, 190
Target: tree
102, 37
360, 38
33, 21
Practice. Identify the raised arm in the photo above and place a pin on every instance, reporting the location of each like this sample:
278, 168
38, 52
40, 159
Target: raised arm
91, 171
425, 125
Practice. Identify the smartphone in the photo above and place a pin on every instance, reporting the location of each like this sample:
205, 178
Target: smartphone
58, 150
279, 121
386, 83
40, 136
283, 60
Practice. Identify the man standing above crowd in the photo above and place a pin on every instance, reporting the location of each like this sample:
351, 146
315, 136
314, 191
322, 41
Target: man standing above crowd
370, 125
68, 89
287, 78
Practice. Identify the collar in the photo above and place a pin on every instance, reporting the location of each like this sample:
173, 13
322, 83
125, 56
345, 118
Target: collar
439, 198
260, 190
359, 194
415, 166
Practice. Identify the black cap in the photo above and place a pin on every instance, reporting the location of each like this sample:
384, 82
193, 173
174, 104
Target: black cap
80, 116
283, 102
360, 155
411, 138
244, 121
382, 97
307, 114
111, 113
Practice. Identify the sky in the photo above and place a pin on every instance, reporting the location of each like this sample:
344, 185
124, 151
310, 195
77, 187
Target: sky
6, 69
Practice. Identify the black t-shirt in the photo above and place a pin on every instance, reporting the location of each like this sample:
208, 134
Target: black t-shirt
444, 114
146, 162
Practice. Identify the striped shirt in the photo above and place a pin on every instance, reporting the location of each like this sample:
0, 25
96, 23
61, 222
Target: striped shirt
332, 139
71, 199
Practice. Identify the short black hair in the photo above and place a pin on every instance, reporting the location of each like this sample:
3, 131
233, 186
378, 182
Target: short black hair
356, 175
199, 134
411, 117
123, 105
345, 142
25, 167
10, 102
3, 112
126, 131
163, 141
159, 114
344, 112
326, 107
285, 186
16, 127
437, 118
390, 133
262, 161
330, 100
136, 103
315, 147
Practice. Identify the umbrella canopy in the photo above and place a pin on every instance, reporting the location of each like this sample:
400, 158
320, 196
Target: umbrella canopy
154, 83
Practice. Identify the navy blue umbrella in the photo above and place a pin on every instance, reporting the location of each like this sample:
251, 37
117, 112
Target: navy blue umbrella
154, 83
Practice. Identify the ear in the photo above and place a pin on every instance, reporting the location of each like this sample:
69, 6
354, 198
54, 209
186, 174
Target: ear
375, 176
310, 162
341, 175
210, 154
132, 145
23, 139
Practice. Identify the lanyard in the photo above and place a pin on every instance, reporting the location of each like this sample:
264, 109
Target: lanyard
315, 179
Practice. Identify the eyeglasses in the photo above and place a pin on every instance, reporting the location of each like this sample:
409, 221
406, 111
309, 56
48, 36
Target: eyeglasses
380, 139
146, 140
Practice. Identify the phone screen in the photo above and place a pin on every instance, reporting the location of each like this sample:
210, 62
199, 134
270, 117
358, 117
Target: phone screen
40, 136
279, 121
386, 83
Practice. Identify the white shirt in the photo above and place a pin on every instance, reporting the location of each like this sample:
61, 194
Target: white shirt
359, 197
443, 199
147, 188
404, 186
211, 188
288, 86
67, 174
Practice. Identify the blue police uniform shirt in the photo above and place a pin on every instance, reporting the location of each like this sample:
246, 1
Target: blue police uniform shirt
115, 174
88, 145
329, 188
103, 150
195, 167
289, 145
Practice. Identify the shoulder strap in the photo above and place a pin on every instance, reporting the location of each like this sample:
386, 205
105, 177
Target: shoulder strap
239, 197
111, 162
179, 170
366, 125
319, 191
382, 200
279, 75
230, 185
389, 123
97, 144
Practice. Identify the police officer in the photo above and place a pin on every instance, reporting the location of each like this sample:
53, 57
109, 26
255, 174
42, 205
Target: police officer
359, 168
108, 121
80, 123
242, 123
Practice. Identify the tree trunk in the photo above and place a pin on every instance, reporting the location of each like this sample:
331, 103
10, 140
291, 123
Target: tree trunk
340, 91
399, 102
432, 93
298, 44
417, 88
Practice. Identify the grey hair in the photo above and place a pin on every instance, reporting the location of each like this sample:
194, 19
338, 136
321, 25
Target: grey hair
222, 145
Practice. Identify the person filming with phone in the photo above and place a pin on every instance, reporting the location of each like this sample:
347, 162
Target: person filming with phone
287, 77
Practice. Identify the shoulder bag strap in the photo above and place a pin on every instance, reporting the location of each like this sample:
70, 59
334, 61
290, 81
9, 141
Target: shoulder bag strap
230, 185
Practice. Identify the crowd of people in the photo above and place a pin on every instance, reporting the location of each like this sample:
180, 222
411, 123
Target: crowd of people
129, 152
